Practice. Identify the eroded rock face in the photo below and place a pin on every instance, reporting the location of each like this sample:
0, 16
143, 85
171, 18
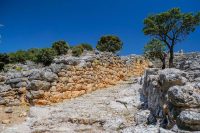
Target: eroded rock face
170, 96
189, 120
184, 96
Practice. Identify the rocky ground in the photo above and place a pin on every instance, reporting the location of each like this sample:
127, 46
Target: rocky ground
114, 109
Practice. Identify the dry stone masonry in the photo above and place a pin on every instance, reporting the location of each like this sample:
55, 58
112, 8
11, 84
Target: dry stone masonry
67, 77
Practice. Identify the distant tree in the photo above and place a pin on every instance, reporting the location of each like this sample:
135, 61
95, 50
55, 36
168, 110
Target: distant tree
171, 27
109, 43
45, 56
155, 49
61, 47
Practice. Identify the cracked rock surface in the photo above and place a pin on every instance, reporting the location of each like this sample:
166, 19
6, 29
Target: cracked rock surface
107, 110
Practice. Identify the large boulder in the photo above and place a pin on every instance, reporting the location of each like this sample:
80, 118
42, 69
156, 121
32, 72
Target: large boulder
56, 68
184, 96
189, 120
170, 77
35, 74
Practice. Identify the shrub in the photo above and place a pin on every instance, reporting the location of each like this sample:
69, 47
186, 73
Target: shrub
45, 56
86, 46
4, 58
32, 54
2, 66
77, 51
61, 47
109, 44
18, 57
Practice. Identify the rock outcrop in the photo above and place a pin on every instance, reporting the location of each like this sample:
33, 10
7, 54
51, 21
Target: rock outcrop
173, 95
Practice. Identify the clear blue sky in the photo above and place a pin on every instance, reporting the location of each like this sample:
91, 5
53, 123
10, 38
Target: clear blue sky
38, 23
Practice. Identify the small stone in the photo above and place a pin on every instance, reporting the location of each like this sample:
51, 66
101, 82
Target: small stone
8, 110
6, 121
23, 114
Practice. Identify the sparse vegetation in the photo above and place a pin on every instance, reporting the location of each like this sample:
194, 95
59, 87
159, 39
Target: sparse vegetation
109, 43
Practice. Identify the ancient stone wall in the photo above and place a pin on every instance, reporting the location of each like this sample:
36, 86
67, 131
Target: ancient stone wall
66, 78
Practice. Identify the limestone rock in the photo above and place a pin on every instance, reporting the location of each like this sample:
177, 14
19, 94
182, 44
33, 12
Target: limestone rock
170, 77
5, 88
38, 85
189, 120
141, 117
49, 76
184, 96
8, 110
2, 101
35, 74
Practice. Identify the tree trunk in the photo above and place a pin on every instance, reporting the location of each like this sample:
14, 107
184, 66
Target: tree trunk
164, 64
171, 58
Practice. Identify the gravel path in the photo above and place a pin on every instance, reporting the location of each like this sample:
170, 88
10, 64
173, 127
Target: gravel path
108, 110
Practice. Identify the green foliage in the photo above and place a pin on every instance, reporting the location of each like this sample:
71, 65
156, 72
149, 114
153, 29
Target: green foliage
86, 46
2, 64
18, 57
18, 68
109, 44
154, 50
32, 54
171, 27
4, 58
61, 47
77, 51
45, 56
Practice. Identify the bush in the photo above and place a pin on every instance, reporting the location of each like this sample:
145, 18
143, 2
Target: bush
32, 54
4, 58
18, 57
109, 44
61, 47
2, 66
86, 46
45, 56
77, 51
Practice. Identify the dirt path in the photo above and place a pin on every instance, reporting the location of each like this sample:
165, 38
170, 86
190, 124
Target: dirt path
107, 110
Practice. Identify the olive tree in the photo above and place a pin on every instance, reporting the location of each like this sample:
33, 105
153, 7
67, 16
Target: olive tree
61, 47
171, 27
109, 43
